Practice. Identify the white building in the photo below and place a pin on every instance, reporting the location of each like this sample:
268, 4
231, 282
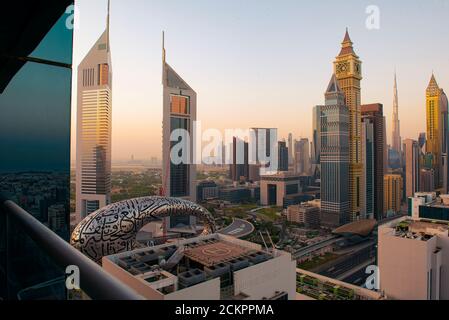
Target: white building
214, 267
179, 113
94, 116
414, 260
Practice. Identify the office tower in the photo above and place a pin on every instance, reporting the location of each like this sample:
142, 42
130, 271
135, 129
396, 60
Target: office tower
302, 157
422, 141
434, 145
290, 150
316, 124
335, 199
374, 113
413, 259
445, 141
412, 167
276, 189
35, 125
368, 176
179, 114
427, 180
393, 193
283, 153
263, 148
348, 69
94, 120
396, 133
240, 166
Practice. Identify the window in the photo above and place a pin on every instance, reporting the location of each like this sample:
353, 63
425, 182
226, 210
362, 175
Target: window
179, 105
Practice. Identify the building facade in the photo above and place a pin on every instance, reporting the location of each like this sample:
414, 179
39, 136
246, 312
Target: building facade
335, 200
393, 188
302, 157
179, 116
413, 259
348, 69
305, 214
412, 167
368, 176
274, 189
263, 150
435, 128
239, 168
94, 128
374, 114
283, 153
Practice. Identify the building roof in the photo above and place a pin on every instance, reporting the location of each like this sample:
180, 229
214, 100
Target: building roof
347, 45
362, 228
216, 252
333, 86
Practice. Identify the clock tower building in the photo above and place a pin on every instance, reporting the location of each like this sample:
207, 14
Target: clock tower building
348, 70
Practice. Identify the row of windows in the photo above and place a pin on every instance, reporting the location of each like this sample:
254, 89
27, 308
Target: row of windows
99, 78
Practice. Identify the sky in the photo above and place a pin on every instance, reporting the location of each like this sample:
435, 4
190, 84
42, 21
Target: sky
260, 63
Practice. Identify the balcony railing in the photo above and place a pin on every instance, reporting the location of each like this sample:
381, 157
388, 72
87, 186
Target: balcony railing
94, 281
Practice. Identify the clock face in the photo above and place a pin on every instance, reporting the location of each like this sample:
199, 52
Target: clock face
358, 68
342, 67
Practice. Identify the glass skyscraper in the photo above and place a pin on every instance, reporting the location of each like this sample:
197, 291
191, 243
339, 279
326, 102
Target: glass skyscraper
35, 100
335, 201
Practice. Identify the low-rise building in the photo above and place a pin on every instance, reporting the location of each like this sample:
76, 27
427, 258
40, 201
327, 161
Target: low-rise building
214, 267
304, 214
413, 258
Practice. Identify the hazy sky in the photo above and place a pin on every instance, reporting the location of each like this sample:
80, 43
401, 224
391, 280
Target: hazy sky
261, 63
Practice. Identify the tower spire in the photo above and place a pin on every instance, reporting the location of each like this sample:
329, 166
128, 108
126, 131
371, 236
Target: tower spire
396, 134
163, 47
346, 45
108, 23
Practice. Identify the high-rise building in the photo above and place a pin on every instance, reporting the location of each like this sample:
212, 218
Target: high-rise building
396, 133
427, 180
316, 150
435, 128
412, 167
445, 141
283, 156
302, 157
239, 167
413, 258
348, 69
335, 200
290, 150
263, 148
393, 193
179, 115
368, 176
374, 113
94, 120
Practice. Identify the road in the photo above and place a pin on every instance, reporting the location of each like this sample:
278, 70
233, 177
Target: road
238, 228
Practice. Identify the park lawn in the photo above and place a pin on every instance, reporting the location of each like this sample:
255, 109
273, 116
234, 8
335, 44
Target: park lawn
270, 213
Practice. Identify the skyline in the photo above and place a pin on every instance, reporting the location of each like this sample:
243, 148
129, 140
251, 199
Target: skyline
247, 66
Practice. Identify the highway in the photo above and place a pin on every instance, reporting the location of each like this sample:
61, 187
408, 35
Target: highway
238, 228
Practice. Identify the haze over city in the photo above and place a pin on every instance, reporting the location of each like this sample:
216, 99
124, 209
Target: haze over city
262, 65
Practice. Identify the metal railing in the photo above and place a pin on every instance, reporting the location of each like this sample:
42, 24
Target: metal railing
94, 281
